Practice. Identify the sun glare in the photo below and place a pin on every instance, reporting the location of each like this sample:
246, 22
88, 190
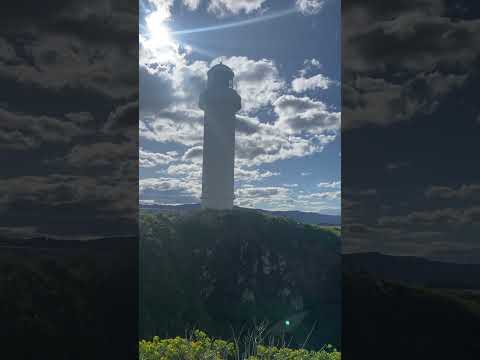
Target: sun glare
157, 40
159, 34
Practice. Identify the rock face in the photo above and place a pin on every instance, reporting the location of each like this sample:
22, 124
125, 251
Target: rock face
218, 270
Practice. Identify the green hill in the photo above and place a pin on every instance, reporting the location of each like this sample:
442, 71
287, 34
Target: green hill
383, 319
224, 270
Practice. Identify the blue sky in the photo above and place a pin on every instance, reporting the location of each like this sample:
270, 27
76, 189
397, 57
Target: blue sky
286, 57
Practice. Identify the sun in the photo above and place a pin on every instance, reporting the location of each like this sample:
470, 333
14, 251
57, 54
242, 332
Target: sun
158, 32
157, 42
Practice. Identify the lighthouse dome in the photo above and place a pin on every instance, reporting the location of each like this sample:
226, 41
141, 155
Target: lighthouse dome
220, 76
220, 68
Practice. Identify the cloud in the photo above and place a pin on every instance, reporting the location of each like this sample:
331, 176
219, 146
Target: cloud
169, 190
319, 81
170, 86
381, 102
298, 115
123, 118
68, 192
25, 132
427, 68
306, 79
149, 159
193, 154
271, 143
192, 4
309, 7
328, 185
182, 126
156, 47
156, 90
328, 195
254, 196
72, 79
252, 175
60, 65
286, 198
226, 7
438, 217
105, 156
191, 171
258, 82
163, 7
260, 85
464, 192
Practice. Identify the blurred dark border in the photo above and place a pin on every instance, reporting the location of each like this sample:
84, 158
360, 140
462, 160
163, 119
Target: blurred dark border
69, 179
410, 180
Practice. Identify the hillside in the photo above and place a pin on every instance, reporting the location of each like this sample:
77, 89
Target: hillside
414, 270
224, 270
381, 317
298, 216
79, 293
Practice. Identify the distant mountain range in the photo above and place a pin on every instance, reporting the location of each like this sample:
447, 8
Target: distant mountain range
298, 216
413, 271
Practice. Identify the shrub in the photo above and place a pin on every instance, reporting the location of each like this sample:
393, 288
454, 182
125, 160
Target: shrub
200, 347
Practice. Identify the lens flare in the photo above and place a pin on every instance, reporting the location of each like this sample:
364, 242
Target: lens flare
240, 23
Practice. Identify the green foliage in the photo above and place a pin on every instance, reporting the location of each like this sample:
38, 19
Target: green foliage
201, 347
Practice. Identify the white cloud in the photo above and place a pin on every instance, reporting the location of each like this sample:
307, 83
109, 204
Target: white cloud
260, 86
258, 82
319, 81
270, 143
297, 115
164, 188
252, 175
191, 4
309, 7
194, 154
329, 195
254, 196
170, 84
182, 126
332, 184
226, 7
151, 159
287, 198
191, 171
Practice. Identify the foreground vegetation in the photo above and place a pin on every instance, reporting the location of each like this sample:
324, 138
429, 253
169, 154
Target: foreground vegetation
200, 347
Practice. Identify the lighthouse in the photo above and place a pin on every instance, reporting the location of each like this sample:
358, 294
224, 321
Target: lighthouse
220, 102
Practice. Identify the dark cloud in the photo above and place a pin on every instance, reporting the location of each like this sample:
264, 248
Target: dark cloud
193, 153
70, 70
409, 72
157, 91
463, 193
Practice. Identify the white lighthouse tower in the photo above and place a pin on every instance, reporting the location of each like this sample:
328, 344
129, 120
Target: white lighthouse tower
219, 102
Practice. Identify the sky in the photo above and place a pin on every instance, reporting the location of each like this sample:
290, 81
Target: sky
69, 119
411, 128
286, 59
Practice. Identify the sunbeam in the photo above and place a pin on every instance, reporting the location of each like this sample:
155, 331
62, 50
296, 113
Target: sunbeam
237, 23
